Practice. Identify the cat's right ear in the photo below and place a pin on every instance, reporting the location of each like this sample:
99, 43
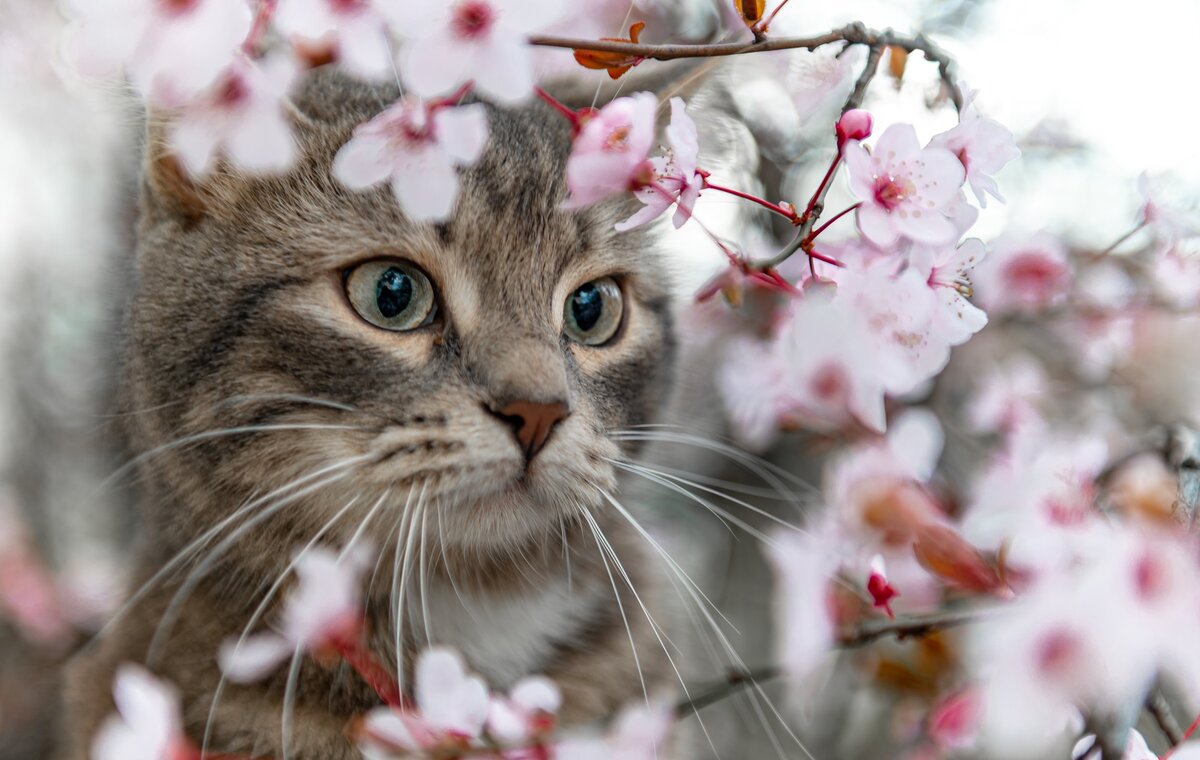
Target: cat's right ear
167, 181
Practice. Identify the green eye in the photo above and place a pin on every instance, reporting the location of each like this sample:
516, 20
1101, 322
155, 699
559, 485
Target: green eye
391, 294
593, 312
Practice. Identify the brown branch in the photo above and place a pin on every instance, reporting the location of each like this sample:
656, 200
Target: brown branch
737, 680
852, 34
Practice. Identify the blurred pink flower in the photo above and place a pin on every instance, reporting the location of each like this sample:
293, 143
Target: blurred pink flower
528, 710
1024, 275
416, 147
323, 609
147, 725
906, 190
983, 145
451, 709
240, 116
609, 153
640, 733
1168, 221
954, 722
171, 49
355, 31
1176, 278
1007, 396
882, 592
677, 177
1135, 748
804, 568
480, 41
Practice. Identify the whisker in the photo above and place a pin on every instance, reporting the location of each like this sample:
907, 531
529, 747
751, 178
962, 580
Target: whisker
261, 610
450, 573
422, 587
289, 703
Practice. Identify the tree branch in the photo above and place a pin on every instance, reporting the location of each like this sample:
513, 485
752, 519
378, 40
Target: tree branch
852, 34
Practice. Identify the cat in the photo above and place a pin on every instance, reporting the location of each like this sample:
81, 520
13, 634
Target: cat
306, 352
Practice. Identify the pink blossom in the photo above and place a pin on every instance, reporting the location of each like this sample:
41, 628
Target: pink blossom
855, 124
609, 153
641, 733
172, 49
480, 41
1176, 278
528, 710
147, 725
906, 190
324, 608
677, 177
451, 709
1024, 275
804, 568
416, 147
954, 721
947, 270
241, 115
1007, 396
754, 400
983, 146
816, 79
1169, 222
356, 31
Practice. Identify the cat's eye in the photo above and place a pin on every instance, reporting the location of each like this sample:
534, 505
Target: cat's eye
593, 312
391, 294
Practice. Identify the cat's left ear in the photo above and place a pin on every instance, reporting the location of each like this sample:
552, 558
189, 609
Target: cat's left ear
168, 183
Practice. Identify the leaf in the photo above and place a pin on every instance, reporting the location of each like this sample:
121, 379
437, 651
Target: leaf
947, 555
615, 63
897, 61
750, 10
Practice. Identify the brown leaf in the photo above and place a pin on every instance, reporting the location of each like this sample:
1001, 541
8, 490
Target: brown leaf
897, 61
944, 553
750, 10
615, 63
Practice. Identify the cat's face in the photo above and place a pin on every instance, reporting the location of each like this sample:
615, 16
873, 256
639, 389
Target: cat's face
470, 372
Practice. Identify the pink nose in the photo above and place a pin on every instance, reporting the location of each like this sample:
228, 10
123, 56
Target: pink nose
532, 422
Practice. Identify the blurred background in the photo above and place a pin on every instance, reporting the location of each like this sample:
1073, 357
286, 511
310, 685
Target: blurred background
1097, 93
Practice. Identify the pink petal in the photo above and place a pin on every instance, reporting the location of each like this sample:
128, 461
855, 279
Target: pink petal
394, 729
147, 704
503, 69
860, 169
537, 693
681, 134
931, 228
529, 15
462, 132
255, 658
427, 188
364, 48
655, 206
194, 141
876, 225
436, 64
262, 143
362, 162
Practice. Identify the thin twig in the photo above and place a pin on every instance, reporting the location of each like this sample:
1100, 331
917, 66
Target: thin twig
1160, 710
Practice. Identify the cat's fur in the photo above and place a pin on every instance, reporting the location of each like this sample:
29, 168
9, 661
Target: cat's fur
239, 320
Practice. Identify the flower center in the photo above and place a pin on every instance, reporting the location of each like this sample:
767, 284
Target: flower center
232, 92
473, 19
347, 6
1057, 653
618, 139
1035, 275
891, 191
829, 383
177, 7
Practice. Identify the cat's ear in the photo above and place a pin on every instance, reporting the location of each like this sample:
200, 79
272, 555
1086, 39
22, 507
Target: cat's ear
168, 182
669, 79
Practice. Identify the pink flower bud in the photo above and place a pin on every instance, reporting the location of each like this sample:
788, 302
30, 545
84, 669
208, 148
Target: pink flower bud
855, 124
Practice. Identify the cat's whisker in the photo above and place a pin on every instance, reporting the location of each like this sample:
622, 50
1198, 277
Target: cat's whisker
289, 703
727, 485
184, 554
606, 547
197, 574
366, 521
422, 585
637, 662
694, 590
261, 610
656, 475
209, 435
446, 563
771, 473
395, 596
400, 584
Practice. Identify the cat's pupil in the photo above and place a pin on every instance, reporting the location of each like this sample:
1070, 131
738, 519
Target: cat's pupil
393, 293
586, 307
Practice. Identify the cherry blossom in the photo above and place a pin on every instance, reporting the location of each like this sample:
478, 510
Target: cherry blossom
147, 725
610, 152
983, 145
640, 733
1008, 396
1167, 220
677, 177
528, 711
1024, 275
171, 49
322, 610
947, 270
479, 41
450, 712
816, 79
906, 190
882, 592
417, 147
240, 116
804, 567
355, 31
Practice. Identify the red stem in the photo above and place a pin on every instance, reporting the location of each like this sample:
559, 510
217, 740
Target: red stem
789, 214
372, 671
1186, 735
557, 105
839, 215
763, 25
812, 202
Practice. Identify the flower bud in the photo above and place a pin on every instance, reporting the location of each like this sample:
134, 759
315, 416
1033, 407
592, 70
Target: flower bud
855, 124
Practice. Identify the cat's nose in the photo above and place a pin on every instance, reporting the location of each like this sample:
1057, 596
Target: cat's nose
532, 422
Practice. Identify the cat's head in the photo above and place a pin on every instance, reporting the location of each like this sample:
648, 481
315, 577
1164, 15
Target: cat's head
306, 349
